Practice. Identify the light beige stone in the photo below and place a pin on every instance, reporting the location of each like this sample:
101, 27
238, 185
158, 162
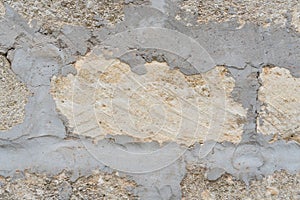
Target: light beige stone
296, 17
2, 9
106, 97
280, 98
13, 97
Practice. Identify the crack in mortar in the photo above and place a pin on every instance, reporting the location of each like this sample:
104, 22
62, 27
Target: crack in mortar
257, 107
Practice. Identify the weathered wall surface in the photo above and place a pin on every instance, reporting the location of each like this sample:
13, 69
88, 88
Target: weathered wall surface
149, 100
13, 97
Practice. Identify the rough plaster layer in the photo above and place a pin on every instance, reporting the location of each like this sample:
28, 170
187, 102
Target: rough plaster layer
280, 185
91, 13
279, 95
26, 185
264, 13
106, 97
13, 97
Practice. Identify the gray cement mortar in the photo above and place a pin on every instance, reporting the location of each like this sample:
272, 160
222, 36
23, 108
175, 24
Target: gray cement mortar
42, 142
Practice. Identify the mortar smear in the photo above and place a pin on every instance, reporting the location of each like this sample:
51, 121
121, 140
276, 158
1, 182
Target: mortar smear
13, 97
106, 97
279, 95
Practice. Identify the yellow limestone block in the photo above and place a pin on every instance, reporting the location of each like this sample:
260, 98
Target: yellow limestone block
106, 97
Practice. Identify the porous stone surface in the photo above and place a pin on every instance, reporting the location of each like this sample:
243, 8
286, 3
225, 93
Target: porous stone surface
280, 185
91, 13
279, 95
13, 97
106, 97
264, 13
26, 185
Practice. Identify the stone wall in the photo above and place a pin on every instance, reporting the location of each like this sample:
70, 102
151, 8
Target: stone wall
160, 99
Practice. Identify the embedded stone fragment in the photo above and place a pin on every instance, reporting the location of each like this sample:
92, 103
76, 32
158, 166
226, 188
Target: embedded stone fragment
2, 9
280, 99
13, 97
296, 17
106, 97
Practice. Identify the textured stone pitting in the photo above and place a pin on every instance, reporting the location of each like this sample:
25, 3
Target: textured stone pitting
280, 185
53, 14
106, 97
280, 99
41, 186
264, 13
13, 97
